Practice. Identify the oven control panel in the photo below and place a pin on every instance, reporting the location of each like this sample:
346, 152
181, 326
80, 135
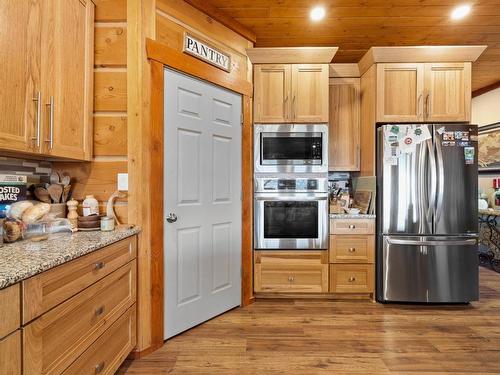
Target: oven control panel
291, 184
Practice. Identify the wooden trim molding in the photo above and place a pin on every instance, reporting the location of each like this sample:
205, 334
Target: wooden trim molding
291, 55
343, 71
419, 54
180, 61
484, 90
156, 190
219, 15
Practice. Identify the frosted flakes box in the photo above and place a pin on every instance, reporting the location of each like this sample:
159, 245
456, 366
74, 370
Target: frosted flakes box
12, 189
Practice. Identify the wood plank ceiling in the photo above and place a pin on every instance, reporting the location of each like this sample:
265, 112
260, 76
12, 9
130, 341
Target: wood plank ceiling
356, 25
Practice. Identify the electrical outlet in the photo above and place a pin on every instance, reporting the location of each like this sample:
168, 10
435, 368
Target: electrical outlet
123, 181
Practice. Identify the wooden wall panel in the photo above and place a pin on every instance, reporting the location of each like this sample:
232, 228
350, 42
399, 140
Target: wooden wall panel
110, 135
110, 91
110, 10
97, 177
110, 45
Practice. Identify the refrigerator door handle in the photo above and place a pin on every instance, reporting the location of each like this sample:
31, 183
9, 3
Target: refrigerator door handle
440, 175
432, 195
392, 241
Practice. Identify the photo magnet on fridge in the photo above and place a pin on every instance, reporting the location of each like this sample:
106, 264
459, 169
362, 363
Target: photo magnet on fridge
448, 136
469, 155
448, 143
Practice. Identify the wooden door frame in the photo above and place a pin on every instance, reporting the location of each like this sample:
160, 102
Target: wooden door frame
161, 56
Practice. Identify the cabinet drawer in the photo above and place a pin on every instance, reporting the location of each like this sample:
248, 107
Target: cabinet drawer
48, 289
352, 226
10, 311
351, 278
10, 354
352, 249
53, 341
110, 350
290, 271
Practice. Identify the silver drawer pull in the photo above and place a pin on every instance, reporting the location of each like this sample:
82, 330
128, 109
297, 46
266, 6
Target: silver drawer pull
99, 266
99, 367
352, 226
352, 279
352, 249
291, 279
99, 310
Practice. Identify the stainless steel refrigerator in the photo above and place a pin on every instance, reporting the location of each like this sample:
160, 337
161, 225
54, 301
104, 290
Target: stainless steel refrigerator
427, 223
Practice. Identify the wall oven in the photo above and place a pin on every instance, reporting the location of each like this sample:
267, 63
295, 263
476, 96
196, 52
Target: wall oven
291, 213
291, 148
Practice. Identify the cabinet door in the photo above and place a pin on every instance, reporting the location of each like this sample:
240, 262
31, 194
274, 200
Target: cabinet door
10, 354
67, 63
344, 119
291, 271
272, 92
448, 91
19, 74
400, 92
309, 93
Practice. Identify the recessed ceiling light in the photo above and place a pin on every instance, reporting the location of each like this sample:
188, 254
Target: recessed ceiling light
317, 13
460, 12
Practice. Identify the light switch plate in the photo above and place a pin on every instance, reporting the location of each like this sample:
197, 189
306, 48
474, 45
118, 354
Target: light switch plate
123, 181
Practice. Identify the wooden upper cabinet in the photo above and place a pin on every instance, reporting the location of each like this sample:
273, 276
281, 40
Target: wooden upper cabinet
67, 63
448, 91
272, 92
423, 92
310, 93
291, 93
19, 74
400, 92
344, 124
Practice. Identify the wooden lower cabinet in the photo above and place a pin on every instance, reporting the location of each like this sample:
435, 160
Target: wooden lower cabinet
10, 354
291, 271
110, 350
10, 310
352, 249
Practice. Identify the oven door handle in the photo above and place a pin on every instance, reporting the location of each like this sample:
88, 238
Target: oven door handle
291, 197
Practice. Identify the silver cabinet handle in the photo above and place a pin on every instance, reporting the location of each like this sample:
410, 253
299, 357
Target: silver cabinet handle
419, 107
99, 266
99, 367
51, 122
99, 310
427, 106
38, 101
352, 249
352, 226
293, 109
352, 279
172, 218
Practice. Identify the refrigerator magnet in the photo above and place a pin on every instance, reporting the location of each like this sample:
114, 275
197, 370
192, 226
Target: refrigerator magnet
460, 135
463, 143
448, 143
441, 130
469, 155
395, 129
448, 136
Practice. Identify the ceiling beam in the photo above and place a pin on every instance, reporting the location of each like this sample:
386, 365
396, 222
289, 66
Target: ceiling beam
484, 90
220, 16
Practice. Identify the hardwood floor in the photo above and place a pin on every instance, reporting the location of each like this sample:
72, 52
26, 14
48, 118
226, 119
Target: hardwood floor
327, 337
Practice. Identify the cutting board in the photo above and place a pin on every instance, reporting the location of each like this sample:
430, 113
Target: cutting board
362, 199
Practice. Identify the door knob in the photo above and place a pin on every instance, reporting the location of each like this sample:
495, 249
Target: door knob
172, 218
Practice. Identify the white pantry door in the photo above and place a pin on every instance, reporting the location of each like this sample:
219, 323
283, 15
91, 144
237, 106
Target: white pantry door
202, 196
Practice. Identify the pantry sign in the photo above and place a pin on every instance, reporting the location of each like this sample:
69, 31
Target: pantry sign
203, 51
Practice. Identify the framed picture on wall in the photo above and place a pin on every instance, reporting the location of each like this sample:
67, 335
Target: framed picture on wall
489, 148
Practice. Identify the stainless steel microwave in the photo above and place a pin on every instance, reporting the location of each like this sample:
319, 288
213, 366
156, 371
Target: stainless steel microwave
291, 148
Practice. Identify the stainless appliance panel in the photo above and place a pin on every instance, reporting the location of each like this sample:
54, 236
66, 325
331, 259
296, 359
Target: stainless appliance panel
407, 188
294, 138
429, 269
456, 208
291, 221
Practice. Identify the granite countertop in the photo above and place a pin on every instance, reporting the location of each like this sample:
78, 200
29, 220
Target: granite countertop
23, 259
347, 216
490, 212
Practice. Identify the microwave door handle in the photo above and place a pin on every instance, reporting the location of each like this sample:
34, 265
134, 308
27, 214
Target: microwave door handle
290, 198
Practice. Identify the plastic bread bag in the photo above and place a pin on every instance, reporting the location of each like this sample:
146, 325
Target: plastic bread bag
42, 230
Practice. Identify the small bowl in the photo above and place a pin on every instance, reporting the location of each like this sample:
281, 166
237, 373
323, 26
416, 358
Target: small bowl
353, 211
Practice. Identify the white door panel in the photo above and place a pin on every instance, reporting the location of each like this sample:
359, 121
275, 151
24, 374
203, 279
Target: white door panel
202, 187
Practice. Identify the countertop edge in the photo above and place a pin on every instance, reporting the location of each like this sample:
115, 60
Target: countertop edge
347, 216
11, 276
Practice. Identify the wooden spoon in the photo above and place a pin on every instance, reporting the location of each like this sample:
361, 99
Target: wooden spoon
55, 192
66, 190
42, 194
